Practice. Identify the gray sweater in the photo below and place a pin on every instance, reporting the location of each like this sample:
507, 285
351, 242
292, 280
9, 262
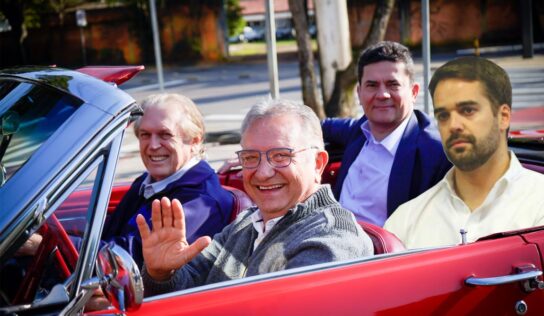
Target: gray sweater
316, 231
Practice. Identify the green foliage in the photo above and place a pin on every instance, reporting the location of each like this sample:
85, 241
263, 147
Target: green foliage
31, 15
32, 10
235, 22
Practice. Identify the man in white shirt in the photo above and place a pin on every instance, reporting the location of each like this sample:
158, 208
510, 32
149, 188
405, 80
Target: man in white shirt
488, 190
393, 153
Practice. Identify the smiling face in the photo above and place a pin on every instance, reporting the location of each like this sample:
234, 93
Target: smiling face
387, 95
471, 133
162, 148
276, 190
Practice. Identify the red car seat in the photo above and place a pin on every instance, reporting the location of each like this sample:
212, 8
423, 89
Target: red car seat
241, 201
383, 240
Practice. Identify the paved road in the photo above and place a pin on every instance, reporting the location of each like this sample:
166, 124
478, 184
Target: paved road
225, 92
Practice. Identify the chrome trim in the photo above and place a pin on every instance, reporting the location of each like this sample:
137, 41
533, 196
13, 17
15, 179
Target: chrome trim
505, 279
104, 185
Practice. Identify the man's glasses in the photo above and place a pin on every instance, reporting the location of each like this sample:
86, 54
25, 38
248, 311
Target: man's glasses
276, 157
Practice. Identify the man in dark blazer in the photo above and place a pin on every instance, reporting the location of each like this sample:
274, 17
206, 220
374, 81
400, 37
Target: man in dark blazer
393, 153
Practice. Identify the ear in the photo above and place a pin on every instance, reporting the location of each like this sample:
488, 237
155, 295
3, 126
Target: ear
321, 160
415, 90
194, 145
504, 116
195, 140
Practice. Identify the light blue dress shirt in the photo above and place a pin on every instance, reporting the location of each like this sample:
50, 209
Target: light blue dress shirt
364, 191
148, 188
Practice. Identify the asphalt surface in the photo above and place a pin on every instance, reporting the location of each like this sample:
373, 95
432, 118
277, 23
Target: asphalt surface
225, 92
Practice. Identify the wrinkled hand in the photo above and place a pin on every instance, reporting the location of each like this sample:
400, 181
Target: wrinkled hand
30, 246
165, 247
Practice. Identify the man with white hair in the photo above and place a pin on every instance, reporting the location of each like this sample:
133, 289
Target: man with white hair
170, 134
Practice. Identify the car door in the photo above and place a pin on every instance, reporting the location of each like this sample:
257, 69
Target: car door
420, 282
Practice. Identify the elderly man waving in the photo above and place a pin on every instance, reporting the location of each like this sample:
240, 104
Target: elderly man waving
296, 221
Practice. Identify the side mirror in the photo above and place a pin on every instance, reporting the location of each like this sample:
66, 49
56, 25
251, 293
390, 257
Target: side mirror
120, 278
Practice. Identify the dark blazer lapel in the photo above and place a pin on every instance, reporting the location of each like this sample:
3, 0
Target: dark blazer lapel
402, 170
194, 176
356, 143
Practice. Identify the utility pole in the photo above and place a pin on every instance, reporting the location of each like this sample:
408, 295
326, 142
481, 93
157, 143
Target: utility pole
527, 28
81, 20
156, 43
426, 49
271, 54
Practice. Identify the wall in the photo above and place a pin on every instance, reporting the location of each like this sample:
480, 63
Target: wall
122, 35
452, 22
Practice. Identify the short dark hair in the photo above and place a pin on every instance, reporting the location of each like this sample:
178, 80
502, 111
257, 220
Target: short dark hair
495, 80
386, 51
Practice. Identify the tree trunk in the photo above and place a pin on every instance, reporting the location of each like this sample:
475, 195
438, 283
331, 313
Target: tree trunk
342, 102
310, 95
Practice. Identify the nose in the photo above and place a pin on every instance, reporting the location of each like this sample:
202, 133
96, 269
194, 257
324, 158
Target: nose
382, 92
455, 122
264, 169
154, 142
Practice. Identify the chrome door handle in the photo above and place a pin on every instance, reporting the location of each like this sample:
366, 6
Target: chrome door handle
503, 279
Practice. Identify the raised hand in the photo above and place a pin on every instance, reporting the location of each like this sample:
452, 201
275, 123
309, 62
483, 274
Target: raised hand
165, 247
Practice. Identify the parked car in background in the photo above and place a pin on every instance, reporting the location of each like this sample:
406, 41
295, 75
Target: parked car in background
249, 34
61, 133
312, 30
253, 34
285, 32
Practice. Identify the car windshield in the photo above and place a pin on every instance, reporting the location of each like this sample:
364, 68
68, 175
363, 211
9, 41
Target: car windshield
29, 115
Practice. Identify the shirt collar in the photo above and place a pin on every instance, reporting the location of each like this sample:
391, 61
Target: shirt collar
258, 222
148, 188
390, 142
514, 168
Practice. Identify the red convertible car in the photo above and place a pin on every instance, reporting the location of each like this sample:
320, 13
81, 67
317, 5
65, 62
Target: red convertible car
61, 133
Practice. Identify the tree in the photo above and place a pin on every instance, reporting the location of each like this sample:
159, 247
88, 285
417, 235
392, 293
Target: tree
310, 94
235, 22
342, 101
26, 14
21, 16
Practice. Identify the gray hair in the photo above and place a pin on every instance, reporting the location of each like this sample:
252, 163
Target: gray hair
191, 122
311, 127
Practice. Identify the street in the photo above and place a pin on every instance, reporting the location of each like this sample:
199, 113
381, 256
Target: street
225, 92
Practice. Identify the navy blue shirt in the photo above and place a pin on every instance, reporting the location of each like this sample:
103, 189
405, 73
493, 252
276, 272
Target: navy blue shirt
206, 205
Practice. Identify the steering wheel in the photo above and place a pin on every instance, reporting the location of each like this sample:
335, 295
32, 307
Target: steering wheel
56, 243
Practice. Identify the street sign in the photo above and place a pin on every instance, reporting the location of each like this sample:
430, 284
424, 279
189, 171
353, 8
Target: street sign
81, 18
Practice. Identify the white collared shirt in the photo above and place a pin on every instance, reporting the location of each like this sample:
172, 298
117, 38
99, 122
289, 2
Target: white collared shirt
435, 217
260, 227
148, 188
364, 191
